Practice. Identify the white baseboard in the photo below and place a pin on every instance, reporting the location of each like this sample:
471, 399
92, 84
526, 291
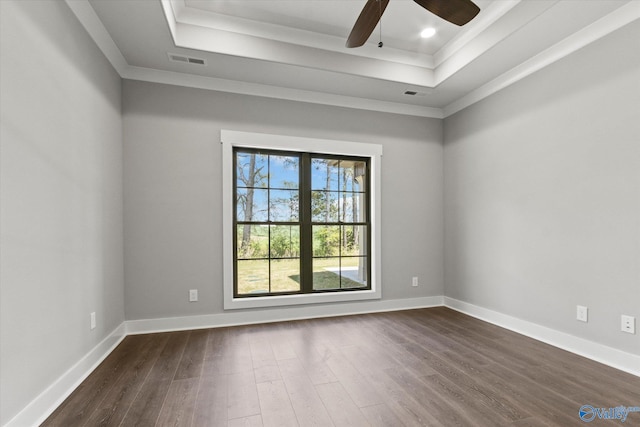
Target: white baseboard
236, 317
615, 358
42, 406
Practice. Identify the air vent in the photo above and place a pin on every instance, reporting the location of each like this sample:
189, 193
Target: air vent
186, 59
414, 93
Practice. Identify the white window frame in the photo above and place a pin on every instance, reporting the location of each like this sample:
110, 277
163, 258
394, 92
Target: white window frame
230, 139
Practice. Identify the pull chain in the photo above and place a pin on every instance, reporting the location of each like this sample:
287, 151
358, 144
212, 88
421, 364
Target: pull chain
380, 44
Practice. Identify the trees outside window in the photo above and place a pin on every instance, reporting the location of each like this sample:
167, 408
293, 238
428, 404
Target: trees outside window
301, 221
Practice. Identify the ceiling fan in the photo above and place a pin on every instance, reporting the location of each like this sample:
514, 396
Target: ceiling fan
457, 12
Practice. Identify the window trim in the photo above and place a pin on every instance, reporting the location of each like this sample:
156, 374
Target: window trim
230, 139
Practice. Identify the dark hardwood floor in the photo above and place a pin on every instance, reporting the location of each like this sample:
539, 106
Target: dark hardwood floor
431, 367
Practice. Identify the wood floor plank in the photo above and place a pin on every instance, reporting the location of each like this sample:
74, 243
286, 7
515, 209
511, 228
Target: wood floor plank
502, 405
404, 406
344, 412
266, 370
463, 400
242, 395
356, 385
211, 401
193, 355
217, 339
434, 367
549, 404
440, 408
261, 350
530, 422
305, 400
253, 421
147, 405
117, 402
381, 416
314, 363
179, 404
282, 348
78, 407
275, 406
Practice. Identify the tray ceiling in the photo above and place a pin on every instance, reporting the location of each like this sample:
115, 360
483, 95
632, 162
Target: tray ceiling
295, 49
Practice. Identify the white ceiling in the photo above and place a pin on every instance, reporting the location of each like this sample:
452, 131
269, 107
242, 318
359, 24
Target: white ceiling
294, 49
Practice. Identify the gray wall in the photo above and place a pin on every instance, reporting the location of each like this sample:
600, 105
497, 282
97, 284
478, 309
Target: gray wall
542, 195
173, 190
60, 198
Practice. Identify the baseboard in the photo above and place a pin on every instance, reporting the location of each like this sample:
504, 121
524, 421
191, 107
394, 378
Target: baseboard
609, 356
42, 406
235, 317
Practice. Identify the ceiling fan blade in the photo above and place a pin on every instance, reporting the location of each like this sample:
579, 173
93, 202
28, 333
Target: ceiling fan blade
457, 12
366, 22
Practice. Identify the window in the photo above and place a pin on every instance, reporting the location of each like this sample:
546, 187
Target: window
301, 220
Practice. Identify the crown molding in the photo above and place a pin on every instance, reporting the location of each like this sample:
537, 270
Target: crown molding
604, 26
92, 24
258, 48
268, 91
481, 23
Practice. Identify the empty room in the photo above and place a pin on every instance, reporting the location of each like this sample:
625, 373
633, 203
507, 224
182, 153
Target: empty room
319, 213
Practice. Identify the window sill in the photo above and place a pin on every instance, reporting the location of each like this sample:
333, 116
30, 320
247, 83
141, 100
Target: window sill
286, 300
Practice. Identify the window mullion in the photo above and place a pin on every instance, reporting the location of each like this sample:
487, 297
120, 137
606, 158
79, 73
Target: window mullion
306, 234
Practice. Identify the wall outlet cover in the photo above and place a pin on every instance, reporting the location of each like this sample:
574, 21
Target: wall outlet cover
628, 324
582, 313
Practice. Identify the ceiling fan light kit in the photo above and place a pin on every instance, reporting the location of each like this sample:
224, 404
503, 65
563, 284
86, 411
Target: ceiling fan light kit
458, 12
428, 33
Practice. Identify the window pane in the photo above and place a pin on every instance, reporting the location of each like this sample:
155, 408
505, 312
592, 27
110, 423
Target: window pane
339, 273
353, 272
285, 275
252, 241
285, 241
284, 205
351, 207
326, 273
284, 171
324, 174
347, 178
353, 173
253, 277
324, 206
326, 240
353, 240
251, 170
251, 204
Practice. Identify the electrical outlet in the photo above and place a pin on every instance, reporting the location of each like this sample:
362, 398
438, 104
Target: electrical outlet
193, 295
582, 313
92, 318
414, 282
628, 324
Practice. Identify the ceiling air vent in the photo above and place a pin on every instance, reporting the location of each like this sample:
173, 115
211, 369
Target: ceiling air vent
414, 93
186, 59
